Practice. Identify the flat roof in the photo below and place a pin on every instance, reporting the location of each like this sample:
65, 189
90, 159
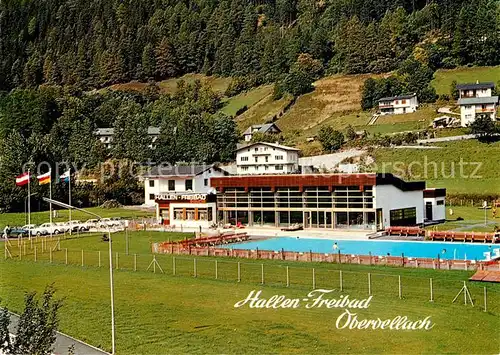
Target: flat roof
309, 180
475, 86
432, 193
478, 100
180, 170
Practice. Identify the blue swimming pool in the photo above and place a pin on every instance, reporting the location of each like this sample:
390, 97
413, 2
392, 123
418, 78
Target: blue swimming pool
459, 251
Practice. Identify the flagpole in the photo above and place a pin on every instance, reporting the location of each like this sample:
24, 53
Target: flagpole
29, 202
50, 204
69, 187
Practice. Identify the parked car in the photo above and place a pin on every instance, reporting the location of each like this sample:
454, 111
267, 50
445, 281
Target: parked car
78, 226
29, 228
91, 223
107, 222
18, 232
63, 227
46, 228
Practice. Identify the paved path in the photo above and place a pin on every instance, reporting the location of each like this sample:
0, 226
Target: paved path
446, 139
330, 161
63, 342
416, 147
447, 110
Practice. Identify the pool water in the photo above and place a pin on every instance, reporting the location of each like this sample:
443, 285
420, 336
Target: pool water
458, 251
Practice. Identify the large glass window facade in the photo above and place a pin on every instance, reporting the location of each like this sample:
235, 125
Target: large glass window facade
350, 207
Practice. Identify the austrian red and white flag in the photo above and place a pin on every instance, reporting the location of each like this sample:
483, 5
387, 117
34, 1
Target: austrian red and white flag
23, 179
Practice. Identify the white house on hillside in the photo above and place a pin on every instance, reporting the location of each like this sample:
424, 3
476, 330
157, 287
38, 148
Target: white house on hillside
397, 105
105, 135
266, 158
269, 128
475, 99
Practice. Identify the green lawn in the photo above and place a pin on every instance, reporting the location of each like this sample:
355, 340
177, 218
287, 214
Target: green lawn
443, 78
263, 111
18, 219
217, 84
162, 313
247, 98
473, 219
441, 167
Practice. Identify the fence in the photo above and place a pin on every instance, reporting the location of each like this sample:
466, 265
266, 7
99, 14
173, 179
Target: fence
267, 272
402, 261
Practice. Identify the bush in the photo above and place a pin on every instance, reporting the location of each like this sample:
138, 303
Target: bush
331, 140
241, 110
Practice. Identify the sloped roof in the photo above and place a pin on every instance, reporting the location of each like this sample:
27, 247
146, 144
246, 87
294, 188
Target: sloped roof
478, 100
476, 86
401, 97
110, 131
262, 128
274, 145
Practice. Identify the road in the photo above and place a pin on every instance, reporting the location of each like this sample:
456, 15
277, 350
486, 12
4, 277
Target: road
448, 139
63, 342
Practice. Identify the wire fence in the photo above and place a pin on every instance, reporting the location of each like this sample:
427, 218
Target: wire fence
275, 274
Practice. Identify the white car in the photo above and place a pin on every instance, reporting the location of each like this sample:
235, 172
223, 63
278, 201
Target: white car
63, 227
78, 226
107, 222
91, 223
46, 228
29, 228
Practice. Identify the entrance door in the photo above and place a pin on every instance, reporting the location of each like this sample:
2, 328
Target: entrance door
380, 220
428, 211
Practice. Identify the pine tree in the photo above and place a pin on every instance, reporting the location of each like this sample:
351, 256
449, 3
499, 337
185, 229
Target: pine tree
165, 58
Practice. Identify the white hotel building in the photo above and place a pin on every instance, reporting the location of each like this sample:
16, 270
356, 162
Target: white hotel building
266, 158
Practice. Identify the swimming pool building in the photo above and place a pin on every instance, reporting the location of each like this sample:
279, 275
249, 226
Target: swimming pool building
330, 201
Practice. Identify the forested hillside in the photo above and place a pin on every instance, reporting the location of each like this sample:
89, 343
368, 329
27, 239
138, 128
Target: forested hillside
101, 42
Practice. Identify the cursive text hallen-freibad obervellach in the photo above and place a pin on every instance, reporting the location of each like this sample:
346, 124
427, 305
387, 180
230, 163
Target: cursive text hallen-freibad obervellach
346, 320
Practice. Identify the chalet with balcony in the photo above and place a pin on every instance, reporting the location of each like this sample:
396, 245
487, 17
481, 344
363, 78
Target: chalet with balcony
268, 128
266, 158
476, 99
397, 105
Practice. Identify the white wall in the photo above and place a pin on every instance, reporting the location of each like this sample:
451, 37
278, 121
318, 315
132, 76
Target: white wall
409, 106
161, 184
438, 211
479, 93
468, 112
389, 197
264, 159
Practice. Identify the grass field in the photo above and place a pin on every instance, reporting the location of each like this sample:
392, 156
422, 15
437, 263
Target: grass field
331, 95
217, 84
263, 111
162, 313
441, 167
18, 219
473, 219
247, 98
443, 78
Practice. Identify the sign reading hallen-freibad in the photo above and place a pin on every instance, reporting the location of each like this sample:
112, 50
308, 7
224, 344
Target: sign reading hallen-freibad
181, 197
